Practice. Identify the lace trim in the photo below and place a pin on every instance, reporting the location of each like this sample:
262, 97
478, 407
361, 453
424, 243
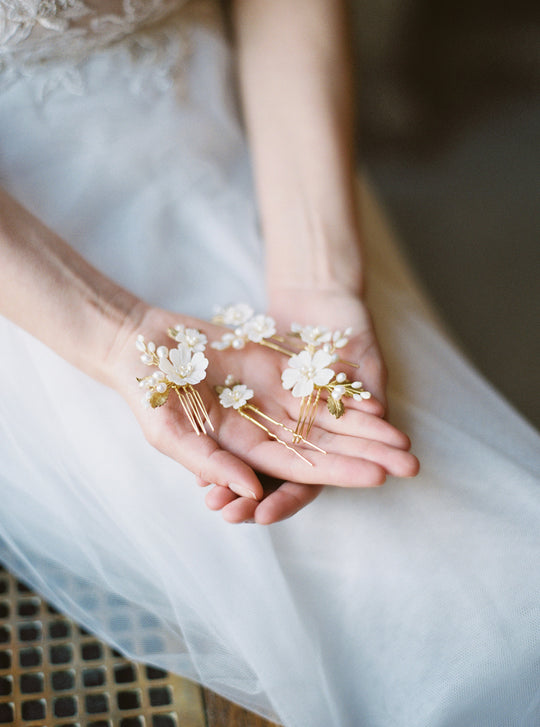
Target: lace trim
56, 35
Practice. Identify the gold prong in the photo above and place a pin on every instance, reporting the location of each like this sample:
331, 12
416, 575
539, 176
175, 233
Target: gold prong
193, 403
187, 411
300, 423
276, 347
203, 409
273, 436
283, 426
313, 413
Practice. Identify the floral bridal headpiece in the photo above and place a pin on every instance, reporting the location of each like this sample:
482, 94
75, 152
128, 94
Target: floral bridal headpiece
179, 369
312, 351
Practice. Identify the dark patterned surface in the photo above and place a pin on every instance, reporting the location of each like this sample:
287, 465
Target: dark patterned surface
55, 674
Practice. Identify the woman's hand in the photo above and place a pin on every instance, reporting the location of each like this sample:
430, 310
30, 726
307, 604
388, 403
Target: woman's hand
361, 448
335, 311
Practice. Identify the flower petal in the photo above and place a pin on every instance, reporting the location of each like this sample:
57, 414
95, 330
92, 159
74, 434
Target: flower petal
289, 378
321, 359
323, 377
302, 388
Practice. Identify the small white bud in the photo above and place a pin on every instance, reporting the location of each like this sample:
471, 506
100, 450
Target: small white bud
146, 359
348, 331
151, 346
238, 343
162, 351
365, 395
356, 384
161, 388
340, 378
327, 348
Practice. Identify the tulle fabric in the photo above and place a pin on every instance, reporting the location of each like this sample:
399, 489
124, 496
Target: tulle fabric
412, 604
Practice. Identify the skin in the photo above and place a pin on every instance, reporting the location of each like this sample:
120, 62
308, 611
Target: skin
295, 83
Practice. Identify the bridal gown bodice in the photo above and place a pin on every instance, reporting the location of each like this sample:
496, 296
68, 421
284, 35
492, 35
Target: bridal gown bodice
40, 31
412, 605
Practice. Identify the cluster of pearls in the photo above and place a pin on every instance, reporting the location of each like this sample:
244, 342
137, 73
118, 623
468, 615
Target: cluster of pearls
341, 387
153, 384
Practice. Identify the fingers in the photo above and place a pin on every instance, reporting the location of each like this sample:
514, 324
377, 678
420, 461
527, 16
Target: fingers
361, 435
204, 457
320, 469
395, 461
218, 497
356, 423
234, 509
285, 502
282, 503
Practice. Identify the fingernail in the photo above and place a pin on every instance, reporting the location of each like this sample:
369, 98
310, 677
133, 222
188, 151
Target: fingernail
242, 491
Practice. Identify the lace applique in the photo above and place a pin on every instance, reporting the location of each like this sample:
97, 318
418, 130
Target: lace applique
51, 37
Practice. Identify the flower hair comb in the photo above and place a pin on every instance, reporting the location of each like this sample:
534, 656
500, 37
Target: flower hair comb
238, 397
180, 369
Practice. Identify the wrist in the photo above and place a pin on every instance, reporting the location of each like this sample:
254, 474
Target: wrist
331, 265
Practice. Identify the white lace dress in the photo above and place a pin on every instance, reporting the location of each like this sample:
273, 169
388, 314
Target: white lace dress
412, 605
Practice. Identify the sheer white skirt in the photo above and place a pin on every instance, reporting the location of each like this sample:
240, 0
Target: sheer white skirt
413, 604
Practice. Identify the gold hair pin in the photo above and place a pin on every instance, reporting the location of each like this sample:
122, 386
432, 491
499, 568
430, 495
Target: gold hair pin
180, 369
237, 396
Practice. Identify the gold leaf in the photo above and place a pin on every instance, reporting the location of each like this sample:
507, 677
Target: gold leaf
335, 408
158, 398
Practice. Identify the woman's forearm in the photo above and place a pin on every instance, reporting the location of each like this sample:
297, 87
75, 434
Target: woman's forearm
54, 294
296, 84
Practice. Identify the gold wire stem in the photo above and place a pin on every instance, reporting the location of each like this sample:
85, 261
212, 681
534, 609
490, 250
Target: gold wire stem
283, 426
275, 347
272, 435
349, 363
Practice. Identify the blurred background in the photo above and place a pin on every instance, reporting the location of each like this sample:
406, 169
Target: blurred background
449, 100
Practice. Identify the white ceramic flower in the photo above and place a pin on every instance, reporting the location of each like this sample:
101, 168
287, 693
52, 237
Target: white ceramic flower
191, 338
306, 372
258, 328
182, 367
233, 315
236, 397
313, 335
